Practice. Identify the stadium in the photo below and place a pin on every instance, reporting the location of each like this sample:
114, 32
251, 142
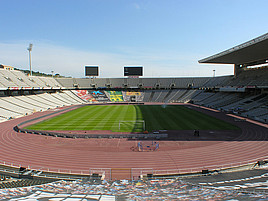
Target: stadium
55, 128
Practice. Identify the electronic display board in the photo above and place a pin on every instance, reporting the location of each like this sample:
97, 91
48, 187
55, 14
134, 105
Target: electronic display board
92, 70
133, 71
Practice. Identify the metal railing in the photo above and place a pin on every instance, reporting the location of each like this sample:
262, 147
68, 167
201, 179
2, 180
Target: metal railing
135, 172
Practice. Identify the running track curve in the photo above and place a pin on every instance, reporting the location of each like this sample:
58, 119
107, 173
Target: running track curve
79, 155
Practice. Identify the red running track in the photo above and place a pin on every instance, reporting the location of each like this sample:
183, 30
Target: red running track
79, 155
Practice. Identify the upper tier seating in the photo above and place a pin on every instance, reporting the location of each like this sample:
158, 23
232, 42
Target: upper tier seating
251, 77
162, 83
15, 78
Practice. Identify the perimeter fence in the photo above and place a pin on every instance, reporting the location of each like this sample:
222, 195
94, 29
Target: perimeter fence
125, 173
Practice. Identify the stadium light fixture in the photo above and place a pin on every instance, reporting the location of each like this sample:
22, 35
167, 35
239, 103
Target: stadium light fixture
30, 60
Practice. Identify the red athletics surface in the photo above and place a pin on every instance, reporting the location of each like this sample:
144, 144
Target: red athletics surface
182, 155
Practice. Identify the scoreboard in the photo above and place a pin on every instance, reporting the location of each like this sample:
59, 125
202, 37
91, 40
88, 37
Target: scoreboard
92, 70
133, 71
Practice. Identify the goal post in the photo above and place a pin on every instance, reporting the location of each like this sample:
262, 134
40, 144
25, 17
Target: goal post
139, 124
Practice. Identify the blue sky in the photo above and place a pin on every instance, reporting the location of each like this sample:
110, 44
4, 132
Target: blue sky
167, 37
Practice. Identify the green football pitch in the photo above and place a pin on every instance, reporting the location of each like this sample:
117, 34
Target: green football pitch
131, 118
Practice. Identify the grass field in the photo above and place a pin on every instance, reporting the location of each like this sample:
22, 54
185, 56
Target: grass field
156, 117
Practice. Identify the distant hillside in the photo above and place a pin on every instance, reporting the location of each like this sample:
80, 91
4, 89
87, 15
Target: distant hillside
37, 73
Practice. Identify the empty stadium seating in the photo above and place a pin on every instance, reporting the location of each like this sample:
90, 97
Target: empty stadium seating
251, 77
15, 78
163, 83
20, 105
161, 90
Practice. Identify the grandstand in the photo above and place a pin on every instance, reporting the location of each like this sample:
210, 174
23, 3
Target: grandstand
250, 79
17, 87
245, 94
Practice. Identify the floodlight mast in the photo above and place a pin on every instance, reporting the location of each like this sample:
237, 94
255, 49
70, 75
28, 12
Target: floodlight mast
30, 60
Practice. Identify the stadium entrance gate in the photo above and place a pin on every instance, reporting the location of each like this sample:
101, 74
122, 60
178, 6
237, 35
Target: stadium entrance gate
121, 173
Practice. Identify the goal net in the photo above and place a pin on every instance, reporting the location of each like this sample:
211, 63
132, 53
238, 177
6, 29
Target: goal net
135, 126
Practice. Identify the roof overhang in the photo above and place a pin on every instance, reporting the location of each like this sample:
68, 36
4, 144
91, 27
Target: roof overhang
252, 52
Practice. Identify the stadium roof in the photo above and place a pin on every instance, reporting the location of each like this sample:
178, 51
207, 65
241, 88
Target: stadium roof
252, 52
